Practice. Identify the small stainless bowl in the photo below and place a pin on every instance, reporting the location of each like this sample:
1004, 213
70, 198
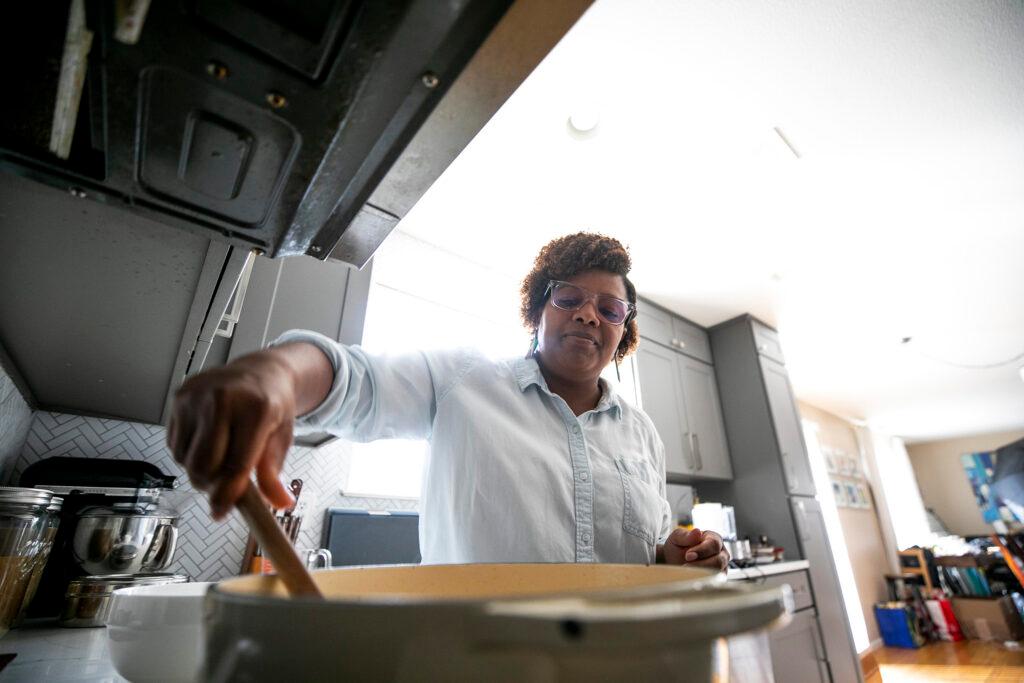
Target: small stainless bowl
88, 599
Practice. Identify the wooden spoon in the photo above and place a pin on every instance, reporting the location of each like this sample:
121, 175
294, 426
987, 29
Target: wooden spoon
275, 544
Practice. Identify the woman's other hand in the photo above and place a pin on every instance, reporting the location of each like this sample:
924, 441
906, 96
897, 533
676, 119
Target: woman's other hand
694, 548
228, 421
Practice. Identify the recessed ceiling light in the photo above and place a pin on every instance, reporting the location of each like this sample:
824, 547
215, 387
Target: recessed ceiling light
584, 119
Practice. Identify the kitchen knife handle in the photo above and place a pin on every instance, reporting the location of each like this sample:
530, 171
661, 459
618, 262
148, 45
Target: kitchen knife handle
275, 544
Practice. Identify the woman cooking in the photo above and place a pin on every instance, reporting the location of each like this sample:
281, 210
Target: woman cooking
531, 460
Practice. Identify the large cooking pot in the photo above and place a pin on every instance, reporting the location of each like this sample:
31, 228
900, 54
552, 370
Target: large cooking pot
537, 622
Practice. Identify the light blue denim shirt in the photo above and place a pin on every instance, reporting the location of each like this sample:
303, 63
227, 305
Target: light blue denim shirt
512, 474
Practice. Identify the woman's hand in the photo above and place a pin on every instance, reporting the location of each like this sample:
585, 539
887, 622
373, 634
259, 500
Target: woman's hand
694, 548
227, 422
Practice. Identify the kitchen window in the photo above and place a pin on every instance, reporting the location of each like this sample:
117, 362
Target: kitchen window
422, 298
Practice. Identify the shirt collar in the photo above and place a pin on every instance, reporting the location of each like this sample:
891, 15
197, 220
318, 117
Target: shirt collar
527, 372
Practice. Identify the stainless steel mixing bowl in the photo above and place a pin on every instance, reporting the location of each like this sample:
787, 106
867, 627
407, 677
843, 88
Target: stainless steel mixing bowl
113, 541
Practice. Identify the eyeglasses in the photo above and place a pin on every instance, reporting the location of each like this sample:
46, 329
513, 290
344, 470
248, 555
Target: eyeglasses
570, 297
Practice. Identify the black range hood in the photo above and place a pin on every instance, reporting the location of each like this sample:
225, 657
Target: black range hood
264, 123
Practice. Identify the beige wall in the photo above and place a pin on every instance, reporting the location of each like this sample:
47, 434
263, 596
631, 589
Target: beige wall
861, 529
943, 483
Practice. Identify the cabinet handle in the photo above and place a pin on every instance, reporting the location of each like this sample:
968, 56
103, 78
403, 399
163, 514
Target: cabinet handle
801, 523
819, 647
696, 451
231, 318
693, 457
791, 481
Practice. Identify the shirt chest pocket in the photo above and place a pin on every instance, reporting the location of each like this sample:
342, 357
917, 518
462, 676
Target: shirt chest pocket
641, 499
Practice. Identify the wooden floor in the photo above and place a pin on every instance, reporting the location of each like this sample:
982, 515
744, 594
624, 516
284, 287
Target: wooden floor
968, 660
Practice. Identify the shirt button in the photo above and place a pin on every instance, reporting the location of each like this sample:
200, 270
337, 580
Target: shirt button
584, 476
586, 538
575, 429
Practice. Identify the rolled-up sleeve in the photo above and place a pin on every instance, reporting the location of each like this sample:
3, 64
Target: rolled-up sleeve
378, 397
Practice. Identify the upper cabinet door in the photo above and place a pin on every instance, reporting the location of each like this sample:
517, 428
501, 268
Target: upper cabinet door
704, 413
654, 323
662, 399
690, 339
672, 331
767, 341
796, 466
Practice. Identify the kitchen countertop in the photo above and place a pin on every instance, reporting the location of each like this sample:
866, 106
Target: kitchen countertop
57, 655
762, 570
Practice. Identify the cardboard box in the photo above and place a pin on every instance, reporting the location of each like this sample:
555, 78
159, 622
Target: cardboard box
989, 618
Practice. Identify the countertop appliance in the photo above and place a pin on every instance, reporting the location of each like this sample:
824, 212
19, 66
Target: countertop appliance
114, 521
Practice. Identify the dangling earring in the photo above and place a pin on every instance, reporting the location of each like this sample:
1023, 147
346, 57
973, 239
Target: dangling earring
533, 346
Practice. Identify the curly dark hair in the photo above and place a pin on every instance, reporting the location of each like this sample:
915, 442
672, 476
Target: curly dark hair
565, 257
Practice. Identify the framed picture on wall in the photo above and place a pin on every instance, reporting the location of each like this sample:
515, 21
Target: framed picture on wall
863, 496
839, 493
849, 465
851, 494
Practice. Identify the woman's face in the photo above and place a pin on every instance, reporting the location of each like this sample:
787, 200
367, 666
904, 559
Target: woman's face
578, 345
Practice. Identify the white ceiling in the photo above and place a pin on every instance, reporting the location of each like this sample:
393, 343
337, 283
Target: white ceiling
903, 216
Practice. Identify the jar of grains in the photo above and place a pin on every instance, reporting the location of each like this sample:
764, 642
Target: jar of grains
23, 528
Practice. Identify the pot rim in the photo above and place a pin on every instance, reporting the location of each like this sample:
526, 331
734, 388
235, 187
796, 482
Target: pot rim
645, 591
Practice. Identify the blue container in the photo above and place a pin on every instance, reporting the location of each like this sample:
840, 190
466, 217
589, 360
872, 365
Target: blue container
895, 624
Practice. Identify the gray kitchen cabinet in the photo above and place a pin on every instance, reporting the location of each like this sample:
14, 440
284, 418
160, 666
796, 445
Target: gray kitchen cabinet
654, 323
767, 341
772, 488
104, 312
798, 654
109, 311
662, 400
301, 292
704, 417
799, 583
788, 429
680, 396
796, 651
828, 596
690, 339
667, 329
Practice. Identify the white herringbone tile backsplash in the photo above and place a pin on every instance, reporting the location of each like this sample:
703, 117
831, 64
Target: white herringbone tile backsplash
207, 550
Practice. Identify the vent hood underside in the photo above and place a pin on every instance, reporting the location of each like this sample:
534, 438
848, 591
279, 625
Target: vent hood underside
266, 124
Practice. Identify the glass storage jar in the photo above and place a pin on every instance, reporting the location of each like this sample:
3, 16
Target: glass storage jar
23, 522
45, 546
